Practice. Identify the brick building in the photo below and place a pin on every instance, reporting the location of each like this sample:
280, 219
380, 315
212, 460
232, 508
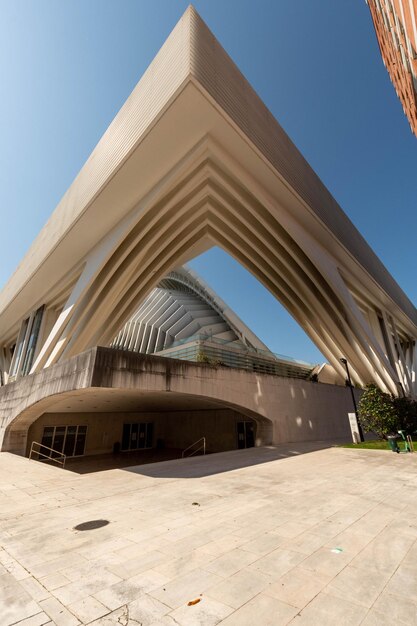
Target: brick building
395, 24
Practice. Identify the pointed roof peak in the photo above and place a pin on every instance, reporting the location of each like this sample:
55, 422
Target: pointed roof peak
193, 15
190, 11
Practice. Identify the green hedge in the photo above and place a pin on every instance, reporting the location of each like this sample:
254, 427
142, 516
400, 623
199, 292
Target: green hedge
384, 414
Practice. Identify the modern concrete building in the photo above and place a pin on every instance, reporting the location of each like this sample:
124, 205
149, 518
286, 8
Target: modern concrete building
192, 160
395, 23
182, 318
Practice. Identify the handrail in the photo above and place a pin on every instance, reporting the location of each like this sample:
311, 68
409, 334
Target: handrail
51, 458
202, 447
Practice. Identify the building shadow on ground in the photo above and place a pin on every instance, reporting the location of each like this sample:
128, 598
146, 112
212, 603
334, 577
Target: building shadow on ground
167, 463
121, 460
220, 462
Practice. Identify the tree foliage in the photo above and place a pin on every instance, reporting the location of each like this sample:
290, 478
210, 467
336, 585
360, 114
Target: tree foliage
406, 411
385, 415
203, 358
376, 411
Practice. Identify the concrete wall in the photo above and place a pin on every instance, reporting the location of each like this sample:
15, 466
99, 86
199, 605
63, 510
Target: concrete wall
285, 409
305, 411
178, 429
182, 428
24, 400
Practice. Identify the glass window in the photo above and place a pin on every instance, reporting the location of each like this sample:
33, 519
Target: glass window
32, 341
47, 440
126, 437
142, 436
149, 435
59, 439
68, 440
80, 442
136, 436
19, 348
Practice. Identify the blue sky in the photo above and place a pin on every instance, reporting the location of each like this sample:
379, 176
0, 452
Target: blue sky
67, 67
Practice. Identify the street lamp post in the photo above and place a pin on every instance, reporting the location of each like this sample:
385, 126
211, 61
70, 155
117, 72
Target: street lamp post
345, 363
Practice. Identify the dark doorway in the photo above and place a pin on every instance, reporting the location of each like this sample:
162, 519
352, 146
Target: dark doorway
137, 436
245, 435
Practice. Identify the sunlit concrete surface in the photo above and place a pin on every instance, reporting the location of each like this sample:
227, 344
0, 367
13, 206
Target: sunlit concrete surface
302, 535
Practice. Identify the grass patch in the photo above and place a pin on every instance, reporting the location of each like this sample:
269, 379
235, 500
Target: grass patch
377, 444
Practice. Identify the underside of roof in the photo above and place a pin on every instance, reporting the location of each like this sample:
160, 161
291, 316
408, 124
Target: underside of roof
191, 55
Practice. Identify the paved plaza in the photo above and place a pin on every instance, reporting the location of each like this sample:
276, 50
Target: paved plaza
304, 535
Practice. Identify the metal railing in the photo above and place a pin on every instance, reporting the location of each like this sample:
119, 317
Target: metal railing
202, 447
216, 351
245, 350
61, 457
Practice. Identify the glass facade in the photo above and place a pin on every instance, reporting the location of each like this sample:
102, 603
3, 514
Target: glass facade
137, 436
68, 440
18, 350
24, 351
32, 341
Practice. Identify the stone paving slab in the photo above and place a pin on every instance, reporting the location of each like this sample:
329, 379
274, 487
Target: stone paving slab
295, 534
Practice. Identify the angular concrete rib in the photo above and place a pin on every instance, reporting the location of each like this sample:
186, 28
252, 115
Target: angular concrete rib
195, 159
183, 318
180, 307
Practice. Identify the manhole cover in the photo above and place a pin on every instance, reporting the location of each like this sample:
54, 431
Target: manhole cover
92, 524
